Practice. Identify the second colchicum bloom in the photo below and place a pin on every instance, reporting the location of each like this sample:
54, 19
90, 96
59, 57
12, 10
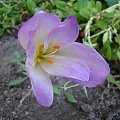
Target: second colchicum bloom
51, 50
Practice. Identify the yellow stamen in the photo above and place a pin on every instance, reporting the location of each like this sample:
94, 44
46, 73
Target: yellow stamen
49, 61
41, 46
52, 53
37, 53
56, 47
37, 60
45, 55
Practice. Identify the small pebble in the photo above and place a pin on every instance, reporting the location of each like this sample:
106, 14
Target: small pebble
57, 78
6, 93
92, 115
14, 113
1, 98
29, 87
18, 97
12, 90
1, 109
86, 107
26, 112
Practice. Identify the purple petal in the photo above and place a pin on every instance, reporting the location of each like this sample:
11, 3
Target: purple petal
30, 50
65, 67
66, 32
26, 27
99, 69
41, 84
45, 22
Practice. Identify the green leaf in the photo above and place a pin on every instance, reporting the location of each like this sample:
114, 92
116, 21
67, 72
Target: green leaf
111, 2
91, 3
101, 24
84, 1
24, 73
85, 13
105, 37
117, 39
60, 4
14, 60
118, 54
112, 80
110, 9
17, 55
17, 81
98, 6
93, 11
22, 67
108, 53
110, 36
70, 98
56, 90
31, 6
23, 59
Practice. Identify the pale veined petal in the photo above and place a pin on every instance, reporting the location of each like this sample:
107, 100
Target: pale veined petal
41, 84
43, 22
99, 69
66, 32
62, 66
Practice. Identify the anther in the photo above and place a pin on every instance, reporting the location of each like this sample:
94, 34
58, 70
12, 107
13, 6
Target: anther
37, 53
49, 61
56, 47
37, 60
41, 46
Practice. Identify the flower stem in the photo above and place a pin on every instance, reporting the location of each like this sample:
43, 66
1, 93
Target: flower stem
89, 23
67, 83
28, 94
101, 32
72, 86
85, 90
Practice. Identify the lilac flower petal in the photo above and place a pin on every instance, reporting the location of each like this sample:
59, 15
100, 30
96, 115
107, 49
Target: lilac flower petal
41, 84
66, 32
65, 67
23, 36
42, 20
99, 69
30, 50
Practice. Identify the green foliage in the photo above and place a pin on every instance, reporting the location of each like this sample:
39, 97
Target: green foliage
17, 81
102, 32
70, 98
101, 24
112, 2
112, 80
20, 60
56, 90
104, 25
100, 19
107, 21
11, 12
32, 6
81, 9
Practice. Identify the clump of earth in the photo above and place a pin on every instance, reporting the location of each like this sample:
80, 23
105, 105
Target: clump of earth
103, 103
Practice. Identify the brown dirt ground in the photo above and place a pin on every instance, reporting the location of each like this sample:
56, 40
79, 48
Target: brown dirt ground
93, 108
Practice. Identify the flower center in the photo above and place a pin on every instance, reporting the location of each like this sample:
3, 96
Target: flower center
41, 55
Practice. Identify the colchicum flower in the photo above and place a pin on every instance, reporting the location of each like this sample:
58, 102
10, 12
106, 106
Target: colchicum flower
51, 50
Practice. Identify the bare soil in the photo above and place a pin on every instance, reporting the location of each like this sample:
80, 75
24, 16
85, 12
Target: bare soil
102, 103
